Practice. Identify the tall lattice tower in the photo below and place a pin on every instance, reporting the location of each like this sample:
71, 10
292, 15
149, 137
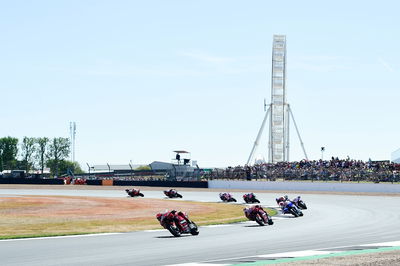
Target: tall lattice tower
278, 111
277, 146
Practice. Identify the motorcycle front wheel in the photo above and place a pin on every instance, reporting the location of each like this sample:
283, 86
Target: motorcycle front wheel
174, 230
294, 212
194, 230
303, 205
141, 194
260, 220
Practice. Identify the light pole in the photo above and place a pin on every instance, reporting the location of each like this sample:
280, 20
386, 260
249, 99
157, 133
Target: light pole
322, 153
88, 168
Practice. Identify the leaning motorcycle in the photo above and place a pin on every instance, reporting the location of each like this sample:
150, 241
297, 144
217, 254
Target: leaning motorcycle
134, 193
177, 223
226, 197
299, 203
172, 194
250, 198
291, 208
260, 216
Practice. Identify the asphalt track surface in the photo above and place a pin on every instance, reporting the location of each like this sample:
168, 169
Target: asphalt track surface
331, 221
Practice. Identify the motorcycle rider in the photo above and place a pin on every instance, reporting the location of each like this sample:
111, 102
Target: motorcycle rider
249, 195
251, 211
132, 192
282, 199
224, 196
171, 214
172, 191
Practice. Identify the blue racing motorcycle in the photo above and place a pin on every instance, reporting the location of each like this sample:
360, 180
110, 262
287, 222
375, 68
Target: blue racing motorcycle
290, 208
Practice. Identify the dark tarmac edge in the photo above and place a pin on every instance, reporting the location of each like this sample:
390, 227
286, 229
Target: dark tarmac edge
144, 188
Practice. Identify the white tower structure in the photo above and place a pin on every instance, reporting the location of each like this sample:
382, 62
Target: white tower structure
72, 132
278, 125
279, 110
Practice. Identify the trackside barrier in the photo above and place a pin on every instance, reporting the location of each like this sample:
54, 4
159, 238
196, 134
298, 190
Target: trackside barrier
305, 186
192, 184
31, 181
107, 182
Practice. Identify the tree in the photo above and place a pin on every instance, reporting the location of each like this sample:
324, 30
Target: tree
28, 147
41, 152
65, 166
143, 167
57, 152
8, 153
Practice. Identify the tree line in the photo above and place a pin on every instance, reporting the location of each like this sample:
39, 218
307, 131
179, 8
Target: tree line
36, 154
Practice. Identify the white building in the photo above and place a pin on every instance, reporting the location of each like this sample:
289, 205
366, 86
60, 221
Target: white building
396, 156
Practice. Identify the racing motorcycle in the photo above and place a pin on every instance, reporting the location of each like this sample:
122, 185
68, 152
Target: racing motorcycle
299, 203
250, 198
134, 192
259, 215
177, 223
226, 197
172, 193
290, 208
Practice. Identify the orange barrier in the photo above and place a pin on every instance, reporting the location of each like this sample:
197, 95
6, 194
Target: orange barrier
107, 182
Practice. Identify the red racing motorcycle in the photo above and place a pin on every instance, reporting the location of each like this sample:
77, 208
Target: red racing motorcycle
134, 192
177, 223
172, 193
250, 198
257, 213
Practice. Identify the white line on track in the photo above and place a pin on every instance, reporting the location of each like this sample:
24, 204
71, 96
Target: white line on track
55, 237
294, 254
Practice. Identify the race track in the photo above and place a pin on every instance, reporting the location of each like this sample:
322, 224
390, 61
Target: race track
331, 221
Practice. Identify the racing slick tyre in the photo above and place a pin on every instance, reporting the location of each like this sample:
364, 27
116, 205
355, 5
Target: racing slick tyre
232, 199
270, 222
303, 205
294, 212
174, 230
194, 230
256, 201
141, 194
178, 195
260, 220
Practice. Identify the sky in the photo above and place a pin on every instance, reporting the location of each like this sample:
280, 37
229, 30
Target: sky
144, 78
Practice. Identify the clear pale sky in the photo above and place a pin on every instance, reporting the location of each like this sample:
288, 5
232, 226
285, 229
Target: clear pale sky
143, 78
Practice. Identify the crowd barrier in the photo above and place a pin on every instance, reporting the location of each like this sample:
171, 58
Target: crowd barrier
32, 181
191, 184
305, 186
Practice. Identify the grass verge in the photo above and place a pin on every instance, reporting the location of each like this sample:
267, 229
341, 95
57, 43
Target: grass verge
35, 216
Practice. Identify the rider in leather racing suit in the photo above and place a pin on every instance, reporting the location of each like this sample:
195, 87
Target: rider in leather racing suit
250, 211
162, 216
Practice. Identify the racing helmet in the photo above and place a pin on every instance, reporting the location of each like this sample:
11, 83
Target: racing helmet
281, 203
158, 216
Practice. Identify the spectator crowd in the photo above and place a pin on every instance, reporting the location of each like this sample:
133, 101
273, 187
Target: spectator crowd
334, 169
